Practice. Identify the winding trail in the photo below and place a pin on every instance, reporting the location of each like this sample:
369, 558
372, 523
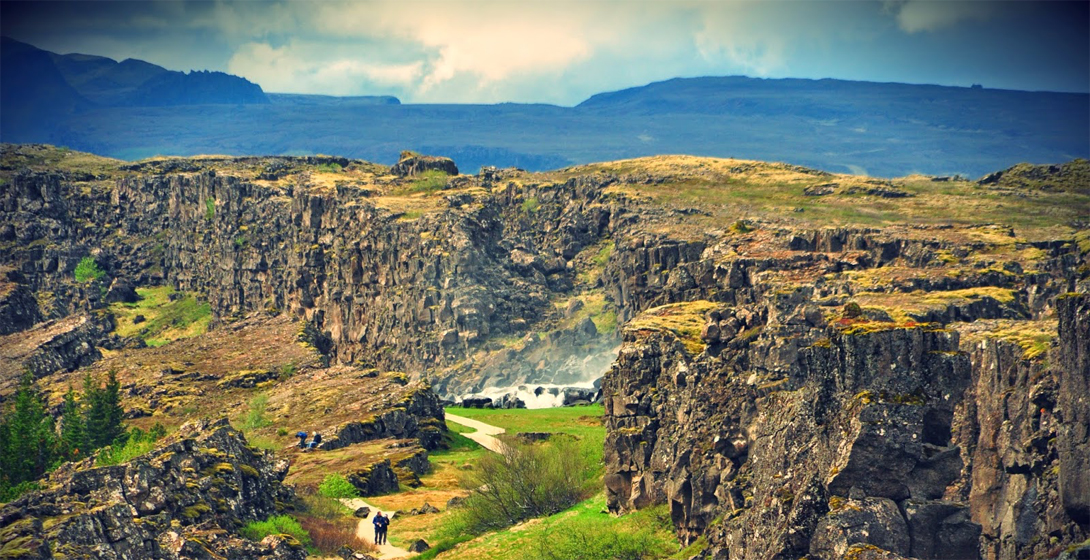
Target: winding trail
485, 435
366, 530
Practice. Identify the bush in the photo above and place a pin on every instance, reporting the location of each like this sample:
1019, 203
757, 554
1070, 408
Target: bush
523, 482
427, 182
328, 536
337, 486
329, 523
138, 443
255, 417
8, 494
88, 270
276, 525
209, 208
330, 167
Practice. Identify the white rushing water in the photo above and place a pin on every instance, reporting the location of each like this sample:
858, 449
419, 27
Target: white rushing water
534, 395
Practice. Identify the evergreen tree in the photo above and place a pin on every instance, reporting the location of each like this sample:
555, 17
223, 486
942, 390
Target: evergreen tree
94, 422
104, 412
31, 442
73, 444
7, 463
115, 431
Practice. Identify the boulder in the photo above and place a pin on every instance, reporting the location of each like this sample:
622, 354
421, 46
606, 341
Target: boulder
418, 546
363, 512
873, 521
375, 479
121, 291
412, 164
477, 402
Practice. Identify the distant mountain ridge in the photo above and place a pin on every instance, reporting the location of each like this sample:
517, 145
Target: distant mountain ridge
886, 129
129, 83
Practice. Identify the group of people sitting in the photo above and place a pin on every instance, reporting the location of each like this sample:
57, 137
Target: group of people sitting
313, 442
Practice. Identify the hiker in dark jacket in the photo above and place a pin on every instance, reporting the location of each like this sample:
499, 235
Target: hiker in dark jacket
381, 522
302, 439
316, 440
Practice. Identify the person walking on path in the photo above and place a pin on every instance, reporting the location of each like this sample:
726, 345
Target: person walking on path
381, 522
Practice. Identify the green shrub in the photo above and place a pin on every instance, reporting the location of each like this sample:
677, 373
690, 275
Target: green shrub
255, 417
8, 494
137, 444
330, 167
209, 208
88, 270
530, 205
428, 182
337, 486
275, 525
524, 482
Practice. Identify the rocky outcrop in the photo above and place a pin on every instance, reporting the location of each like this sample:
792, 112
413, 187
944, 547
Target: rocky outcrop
58, 345
412, 163
183, 500
18, 307
1073, 439
838, 422
375, 479
418, 416
796, 433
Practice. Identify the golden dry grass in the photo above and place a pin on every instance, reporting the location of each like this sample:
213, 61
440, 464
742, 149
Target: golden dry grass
686, 320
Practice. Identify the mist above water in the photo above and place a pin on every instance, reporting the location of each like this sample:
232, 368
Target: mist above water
536, 396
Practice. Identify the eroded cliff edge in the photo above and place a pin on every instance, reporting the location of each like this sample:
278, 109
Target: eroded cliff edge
807, 357
811, 433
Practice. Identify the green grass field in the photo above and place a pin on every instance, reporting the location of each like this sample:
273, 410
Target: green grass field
583, 422
164, 320
549, 537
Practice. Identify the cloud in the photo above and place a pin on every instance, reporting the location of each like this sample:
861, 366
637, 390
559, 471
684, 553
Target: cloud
915, 16
316, 68
490, 40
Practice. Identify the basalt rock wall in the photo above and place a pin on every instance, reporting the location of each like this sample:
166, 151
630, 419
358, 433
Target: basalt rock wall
379, 288
808, 438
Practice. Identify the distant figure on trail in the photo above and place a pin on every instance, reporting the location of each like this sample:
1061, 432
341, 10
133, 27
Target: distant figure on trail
302, 439
381, 522
314, 442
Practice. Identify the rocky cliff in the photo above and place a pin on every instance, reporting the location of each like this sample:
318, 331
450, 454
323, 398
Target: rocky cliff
813, 430
810, 364
186, 499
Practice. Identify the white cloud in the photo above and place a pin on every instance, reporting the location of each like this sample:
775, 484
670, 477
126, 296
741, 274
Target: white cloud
915, 16
490, 40
302, 68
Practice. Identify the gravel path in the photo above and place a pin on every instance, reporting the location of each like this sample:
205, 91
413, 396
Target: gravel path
366, 530
483, 435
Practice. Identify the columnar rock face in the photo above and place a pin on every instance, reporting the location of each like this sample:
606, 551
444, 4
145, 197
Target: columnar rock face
379, 290
1073, 439
799, 434
183, 500
789, 386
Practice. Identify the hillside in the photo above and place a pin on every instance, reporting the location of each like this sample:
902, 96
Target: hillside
41, 87
132, 110
787, 353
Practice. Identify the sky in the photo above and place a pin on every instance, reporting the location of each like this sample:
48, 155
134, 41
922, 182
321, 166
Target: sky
561, 52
